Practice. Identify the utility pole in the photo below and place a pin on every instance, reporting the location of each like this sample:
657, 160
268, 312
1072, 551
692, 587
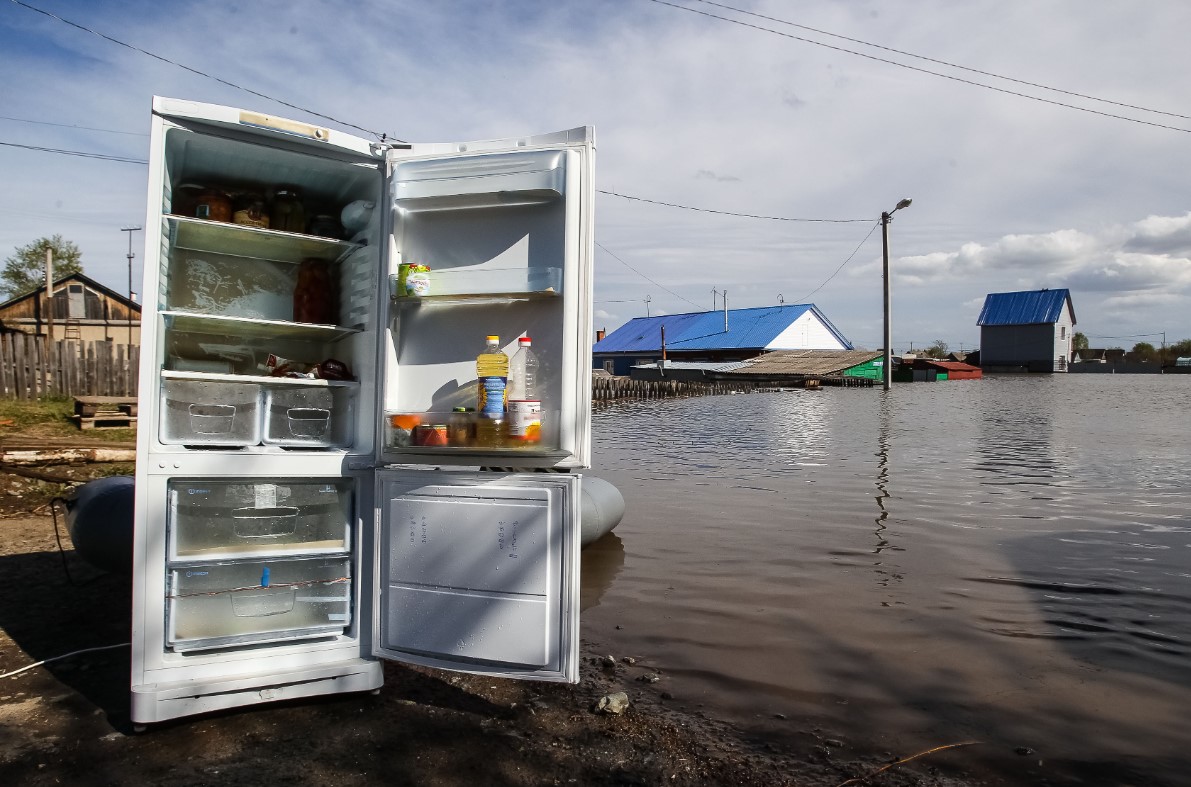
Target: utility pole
49, 292
130, 230
886, 217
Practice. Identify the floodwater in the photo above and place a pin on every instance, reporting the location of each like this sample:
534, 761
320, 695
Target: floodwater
1005, 560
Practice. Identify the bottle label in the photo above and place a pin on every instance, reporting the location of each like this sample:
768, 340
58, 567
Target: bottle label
525, 420
492, 396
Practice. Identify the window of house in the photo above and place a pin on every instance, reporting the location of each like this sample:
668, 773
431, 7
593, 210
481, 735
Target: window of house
1063, 332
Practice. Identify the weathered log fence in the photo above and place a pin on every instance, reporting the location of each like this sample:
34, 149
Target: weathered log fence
605, 390
32, 367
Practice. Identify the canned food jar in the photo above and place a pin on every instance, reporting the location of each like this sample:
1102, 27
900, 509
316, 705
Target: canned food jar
431, 436
287, 214
413, 280
213, 205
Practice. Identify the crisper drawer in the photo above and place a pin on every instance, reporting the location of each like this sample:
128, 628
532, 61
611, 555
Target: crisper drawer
217, 605
198, 412
309, 417
225, 519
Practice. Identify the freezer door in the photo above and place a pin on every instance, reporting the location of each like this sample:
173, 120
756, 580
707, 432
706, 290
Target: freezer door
302, 136
478, 572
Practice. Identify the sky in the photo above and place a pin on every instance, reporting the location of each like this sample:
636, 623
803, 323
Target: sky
994, 117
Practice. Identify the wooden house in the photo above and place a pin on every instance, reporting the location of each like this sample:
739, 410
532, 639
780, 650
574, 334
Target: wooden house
83, 310
1026, 331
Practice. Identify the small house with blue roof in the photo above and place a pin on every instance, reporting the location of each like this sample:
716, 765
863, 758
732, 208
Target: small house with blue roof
717, 336
1026, 331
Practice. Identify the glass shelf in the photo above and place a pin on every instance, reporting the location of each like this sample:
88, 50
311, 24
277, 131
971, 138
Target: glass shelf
238, 240
168, 374
484, 285
252, 328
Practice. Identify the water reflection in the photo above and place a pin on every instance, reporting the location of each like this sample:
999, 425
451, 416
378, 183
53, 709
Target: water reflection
602, 560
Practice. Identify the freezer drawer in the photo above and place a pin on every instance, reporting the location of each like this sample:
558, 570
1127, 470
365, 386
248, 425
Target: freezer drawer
309, 417
223, 519
224, 604
198, 412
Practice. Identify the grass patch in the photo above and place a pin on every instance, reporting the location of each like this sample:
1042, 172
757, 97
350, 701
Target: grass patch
51, 417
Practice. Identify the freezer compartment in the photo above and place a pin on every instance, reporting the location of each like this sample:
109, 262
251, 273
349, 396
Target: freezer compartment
309, 417
217, 605
226, 519
199, 412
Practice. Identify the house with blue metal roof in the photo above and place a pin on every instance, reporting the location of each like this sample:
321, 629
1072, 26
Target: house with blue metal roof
717, 336
1026, 331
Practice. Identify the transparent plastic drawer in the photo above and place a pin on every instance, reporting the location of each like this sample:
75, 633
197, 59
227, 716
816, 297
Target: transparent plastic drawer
223, 519
309, 416
218, 605
198, 412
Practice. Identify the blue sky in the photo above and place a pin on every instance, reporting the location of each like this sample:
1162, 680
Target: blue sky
1009, 193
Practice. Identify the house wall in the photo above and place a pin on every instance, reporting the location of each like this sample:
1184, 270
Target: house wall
806, 333
1043, 347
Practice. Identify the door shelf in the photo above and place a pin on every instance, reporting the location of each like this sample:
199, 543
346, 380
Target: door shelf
217, 237
252, 328
483, 285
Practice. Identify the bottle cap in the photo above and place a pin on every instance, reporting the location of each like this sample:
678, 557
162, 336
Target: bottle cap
524, 340
494, 338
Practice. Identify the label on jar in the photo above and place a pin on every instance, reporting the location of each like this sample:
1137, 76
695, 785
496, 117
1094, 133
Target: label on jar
413, 279
525, 420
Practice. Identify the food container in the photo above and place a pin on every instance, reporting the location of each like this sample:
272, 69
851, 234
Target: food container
213, 205
413, 279
287, 214
198, 412
226, 519
429, 435
308, 416
400, 429
219, 604
250, 210
325, 227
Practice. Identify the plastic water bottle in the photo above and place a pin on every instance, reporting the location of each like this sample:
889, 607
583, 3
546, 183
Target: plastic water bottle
492, 373
525, 407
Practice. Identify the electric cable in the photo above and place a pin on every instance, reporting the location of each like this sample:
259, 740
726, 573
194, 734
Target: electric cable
643, 276
80, 153
919, 69
804, 298
64, 656
381, 136
725, 212
67, 125
945, 63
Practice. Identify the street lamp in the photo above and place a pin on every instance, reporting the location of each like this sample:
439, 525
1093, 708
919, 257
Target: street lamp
130, 230
886, 217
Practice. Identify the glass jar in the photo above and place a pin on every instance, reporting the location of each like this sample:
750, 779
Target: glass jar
213, 205
250, 210
287, 214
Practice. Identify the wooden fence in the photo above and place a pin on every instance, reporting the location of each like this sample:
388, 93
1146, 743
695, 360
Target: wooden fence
31, 367
610, 389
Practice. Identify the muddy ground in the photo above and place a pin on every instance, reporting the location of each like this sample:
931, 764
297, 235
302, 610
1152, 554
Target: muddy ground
66, 722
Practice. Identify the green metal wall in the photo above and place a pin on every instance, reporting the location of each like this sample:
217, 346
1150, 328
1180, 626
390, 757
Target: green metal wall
869, 369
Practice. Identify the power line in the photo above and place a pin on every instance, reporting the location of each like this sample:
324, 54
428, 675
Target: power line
804, 298
67, 125
945, 63
376, 134
724, 212
918, 69
643, 276
80, 153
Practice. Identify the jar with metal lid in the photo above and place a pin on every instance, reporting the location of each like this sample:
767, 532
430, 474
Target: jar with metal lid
325, 227
250, 210
287, 214
213, 205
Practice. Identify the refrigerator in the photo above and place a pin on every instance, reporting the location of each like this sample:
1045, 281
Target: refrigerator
311, 496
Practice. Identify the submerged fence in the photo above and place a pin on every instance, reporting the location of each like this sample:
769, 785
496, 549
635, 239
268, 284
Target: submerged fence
32, 367
610, 389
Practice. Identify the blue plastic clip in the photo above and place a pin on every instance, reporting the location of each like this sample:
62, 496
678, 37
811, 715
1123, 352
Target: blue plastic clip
265, 577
